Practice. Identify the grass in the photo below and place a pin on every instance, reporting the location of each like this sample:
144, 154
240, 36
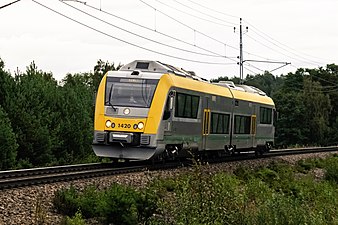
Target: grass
276, 194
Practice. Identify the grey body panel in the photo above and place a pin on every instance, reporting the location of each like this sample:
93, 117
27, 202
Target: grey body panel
133, 153
189, 131
133, 112
147, 149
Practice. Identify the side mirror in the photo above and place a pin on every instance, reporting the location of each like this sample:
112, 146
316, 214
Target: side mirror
171, 100
171, 103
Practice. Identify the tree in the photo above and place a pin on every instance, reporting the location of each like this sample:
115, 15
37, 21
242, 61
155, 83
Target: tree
76, 127
318, 107
8, 146
7, 88
100, 69
291, 128
225, 78
265, 82
35, 116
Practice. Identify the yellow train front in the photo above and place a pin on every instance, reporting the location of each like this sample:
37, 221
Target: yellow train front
149, 109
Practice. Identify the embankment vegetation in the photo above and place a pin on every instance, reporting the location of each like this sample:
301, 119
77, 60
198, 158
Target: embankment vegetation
279, 193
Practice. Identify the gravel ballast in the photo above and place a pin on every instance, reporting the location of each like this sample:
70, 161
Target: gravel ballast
30, 205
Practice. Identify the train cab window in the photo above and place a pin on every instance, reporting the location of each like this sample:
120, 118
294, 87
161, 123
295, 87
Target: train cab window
219, 123
186, 105
265, 115
130, 92
242, 124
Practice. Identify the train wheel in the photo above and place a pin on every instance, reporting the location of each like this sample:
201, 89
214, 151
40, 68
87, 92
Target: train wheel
229, 149
259, 151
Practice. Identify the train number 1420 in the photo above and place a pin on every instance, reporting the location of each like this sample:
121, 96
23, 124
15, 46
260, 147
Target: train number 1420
123, 125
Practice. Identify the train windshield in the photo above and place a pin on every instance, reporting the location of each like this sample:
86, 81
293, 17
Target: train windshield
129, 92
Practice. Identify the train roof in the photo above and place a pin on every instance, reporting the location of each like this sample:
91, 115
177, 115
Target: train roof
159, 67
188, 80
220, 90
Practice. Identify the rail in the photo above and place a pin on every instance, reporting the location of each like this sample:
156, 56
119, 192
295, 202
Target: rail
26, 177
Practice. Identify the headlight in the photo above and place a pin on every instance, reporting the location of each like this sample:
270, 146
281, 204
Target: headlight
140, 125
108, 123
126, 111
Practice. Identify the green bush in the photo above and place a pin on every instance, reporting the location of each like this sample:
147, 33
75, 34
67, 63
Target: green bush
332, 169
267, 175
243, 173
276, 194
118, 204
309, 164
88, 201
65, 201
269, 195
75, 220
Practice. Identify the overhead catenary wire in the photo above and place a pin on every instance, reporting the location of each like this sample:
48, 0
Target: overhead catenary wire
213, 10
174, 38
254, 73
11, 3
327, 81
248, 64
154, 30
174, 56
281, 42
138, 35
203, 13
127, 42
291, 57
262, 35
187, 26
301, 58
194, 30
285, 48
198, 17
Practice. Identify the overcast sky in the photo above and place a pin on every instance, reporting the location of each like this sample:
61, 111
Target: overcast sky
193, 34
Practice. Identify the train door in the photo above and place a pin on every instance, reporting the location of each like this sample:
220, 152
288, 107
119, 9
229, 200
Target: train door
253, 131
167, 114
253, 127
205, 123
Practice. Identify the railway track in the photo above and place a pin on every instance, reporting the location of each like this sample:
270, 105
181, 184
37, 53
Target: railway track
27, 177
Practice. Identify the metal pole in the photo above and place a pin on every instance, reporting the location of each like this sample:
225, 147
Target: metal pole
240, 52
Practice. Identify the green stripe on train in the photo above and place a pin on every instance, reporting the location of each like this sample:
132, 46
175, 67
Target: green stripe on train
198, 138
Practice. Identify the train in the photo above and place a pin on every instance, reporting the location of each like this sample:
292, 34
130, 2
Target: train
152, 110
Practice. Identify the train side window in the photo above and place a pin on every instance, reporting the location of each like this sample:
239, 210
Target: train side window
219, 123
186, 105
265, 115
195, 103
242, 124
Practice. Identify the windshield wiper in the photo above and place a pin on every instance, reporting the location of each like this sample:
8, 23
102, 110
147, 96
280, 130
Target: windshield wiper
109, 101
144, 92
